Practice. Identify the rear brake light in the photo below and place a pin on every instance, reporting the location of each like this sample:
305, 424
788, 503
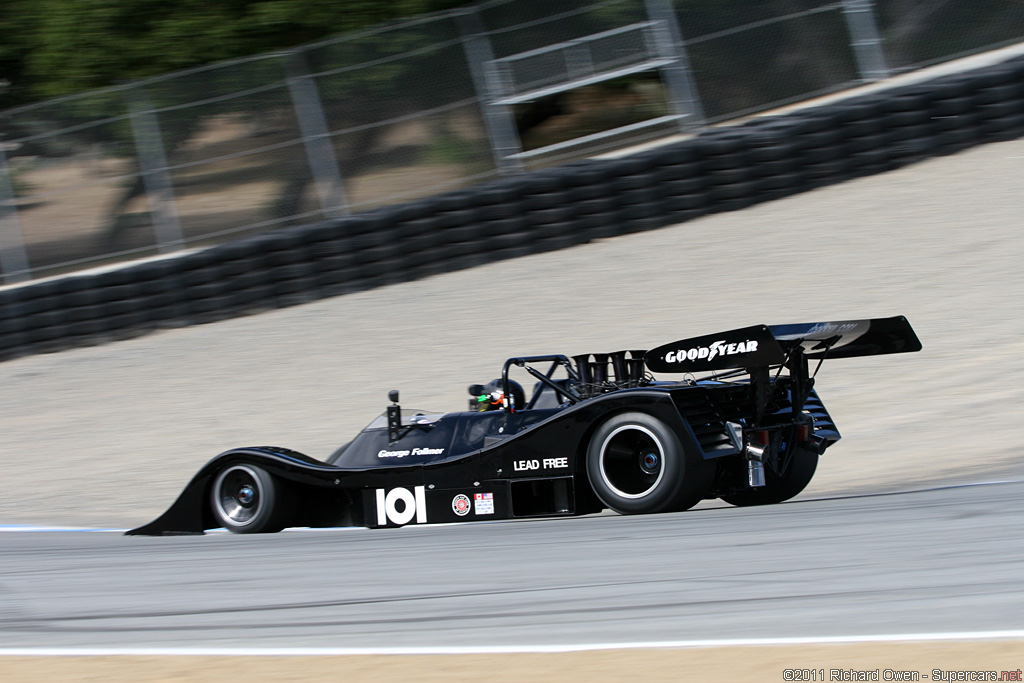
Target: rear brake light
762, 437
803, 433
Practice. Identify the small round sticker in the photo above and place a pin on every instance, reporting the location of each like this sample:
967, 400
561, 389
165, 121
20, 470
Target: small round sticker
460, 505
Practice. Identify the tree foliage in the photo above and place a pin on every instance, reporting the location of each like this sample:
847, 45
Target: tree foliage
57, 47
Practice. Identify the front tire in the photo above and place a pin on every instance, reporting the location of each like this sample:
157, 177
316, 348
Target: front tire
778, 488
637, 465
246, 499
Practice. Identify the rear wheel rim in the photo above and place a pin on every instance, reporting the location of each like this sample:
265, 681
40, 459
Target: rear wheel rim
239, 497
632, 461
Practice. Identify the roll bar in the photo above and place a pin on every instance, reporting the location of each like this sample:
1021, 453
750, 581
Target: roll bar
544, 378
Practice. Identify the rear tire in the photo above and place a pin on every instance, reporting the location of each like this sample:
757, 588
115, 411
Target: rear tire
778, 488
637, 465
246, 499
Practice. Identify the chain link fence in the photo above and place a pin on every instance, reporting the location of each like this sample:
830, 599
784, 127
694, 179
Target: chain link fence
427, 105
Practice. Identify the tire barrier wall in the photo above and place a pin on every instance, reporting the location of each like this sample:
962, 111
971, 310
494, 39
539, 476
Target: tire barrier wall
720, 170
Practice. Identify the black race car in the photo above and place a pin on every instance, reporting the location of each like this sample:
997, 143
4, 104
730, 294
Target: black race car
742, 423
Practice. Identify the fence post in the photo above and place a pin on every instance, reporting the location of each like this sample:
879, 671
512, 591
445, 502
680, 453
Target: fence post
149, 145
13, 258
867, 46
682, 90
500, 122
316, 137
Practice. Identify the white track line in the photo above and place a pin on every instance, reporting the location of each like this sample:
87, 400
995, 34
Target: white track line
501, 649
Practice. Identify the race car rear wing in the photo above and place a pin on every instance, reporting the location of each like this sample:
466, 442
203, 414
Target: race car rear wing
764, 346
849, 338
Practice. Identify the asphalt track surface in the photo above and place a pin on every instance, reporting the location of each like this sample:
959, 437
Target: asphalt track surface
940, 560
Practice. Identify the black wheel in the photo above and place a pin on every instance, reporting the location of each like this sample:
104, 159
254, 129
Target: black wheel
637, 465
247, 500
778, 488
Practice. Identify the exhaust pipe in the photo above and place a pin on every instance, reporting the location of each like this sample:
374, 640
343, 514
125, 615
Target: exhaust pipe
636, 367
754, 452
755, 464
583, 368
619, 368
599, 368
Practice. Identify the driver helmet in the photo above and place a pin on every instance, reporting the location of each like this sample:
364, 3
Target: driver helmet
494, 398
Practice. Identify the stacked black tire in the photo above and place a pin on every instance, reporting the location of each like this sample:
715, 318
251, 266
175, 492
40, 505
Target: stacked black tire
720, 170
